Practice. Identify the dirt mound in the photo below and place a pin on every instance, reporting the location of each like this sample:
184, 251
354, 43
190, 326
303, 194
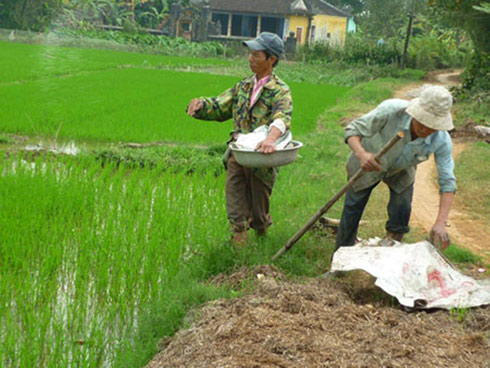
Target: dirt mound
324, 323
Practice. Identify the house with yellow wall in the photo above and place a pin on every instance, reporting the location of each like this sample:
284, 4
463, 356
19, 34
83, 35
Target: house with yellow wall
310, 20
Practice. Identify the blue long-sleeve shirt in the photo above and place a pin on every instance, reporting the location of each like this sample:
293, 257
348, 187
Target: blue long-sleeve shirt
399, 164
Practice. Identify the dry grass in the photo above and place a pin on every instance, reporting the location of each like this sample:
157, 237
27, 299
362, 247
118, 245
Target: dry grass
324, 323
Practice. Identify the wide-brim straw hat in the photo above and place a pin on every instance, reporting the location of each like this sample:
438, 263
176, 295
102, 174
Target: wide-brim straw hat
433, 108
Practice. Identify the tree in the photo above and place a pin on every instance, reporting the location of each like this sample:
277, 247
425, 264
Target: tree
471, 16
467, 14
388, 18
353, 6
27, 14
484, 7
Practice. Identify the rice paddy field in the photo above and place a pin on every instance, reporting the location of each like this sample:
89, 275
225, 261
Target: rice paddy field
100, 258
112, 96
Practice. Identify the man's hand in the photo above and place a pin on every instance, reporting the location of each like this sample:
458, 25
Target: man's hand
369, 162
194, 106
267, 146
439, 236
367, 159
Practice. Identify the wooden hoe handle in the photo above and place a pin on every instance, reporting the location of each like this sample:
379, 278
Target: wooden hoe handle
335, 198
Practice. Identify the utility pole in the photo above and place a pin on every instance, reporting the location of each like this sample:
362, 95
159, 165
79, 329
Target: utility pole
407, 38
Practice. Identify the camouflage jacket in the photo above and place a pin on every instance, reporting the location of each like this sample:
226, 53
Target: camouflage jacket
273, 102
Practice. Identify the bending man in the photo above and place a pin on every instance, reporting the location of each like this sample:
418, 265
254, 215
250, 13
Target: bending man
425, 122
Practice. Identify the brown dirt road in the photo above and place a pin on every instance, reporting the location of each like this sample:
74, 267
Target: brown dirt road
464, 231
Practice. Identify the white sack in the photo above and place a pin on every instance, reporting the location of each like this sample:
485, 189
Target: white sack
414, 272
482, 130
249, 141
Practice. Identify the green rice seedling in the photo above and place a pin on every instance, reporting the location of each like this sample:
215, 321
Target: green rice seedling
25, 62
85, 250
135, 105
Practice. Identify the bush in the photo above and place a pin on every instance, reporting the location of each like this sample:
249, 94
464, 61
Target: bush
476, 77
149, 42
356, 50
434, 51
361, 50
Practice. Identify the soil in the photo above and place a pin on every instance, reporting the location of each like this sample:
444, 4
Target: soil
342, 322
323, 323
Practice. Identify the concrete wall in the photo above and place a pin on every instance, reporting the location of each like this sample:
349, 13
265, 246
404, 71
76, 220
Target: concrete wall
296, 22
327, 25
327, 28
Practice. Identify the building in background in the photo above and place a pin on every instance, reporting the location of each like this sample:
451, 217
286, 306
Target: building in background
310, 20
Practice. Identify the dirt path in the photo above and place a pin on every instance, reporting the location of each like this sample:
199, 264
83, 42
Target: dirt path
463, 230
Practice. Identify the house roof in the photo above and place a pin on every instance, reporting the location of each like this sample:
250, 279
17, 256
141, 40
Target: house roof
277, 7
323, 7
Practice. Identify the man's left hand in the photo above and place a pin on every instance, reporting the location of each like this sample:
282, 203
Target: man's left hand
439, 236
267, 146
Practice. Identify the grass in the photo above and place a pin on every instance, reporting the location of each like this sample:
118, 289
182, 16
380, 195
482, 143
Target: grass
473, 111
111, 249
124, 249
459, 255
92, 248
360, 99
104, 254
97, 100
460, 314
24, 62
136, 105
474, 181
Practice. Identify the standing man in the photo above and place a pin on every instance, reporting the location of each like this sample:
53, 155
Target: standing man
425, 122
261, 99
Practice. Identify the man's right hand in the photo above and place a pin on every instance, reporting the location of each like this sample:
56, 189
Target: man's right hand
194, 106
367, 159
369, 162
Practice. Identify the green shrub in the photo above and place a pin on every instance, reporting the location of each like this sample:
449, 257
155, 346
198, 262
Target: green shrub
357, 50
429, 49
148, 42
435, 52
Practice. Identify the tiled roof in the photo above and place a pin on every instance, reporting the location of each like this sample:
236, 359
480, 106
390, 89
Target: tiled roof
323, 7
276, 7
279, 7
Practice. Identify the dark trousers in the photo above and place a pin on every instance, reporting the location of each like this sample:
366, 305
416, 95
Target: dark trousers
399, 209
247, 198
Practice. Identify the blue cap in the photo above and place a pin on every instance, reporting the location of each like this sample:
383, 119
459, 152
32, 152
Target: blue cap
267, 41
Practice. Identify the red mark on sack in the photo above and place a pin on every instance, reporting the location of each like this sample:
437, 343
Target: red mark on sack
437, 277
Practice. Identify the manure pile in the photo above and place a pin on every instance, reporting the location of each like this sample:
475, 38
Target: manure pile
323, 323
